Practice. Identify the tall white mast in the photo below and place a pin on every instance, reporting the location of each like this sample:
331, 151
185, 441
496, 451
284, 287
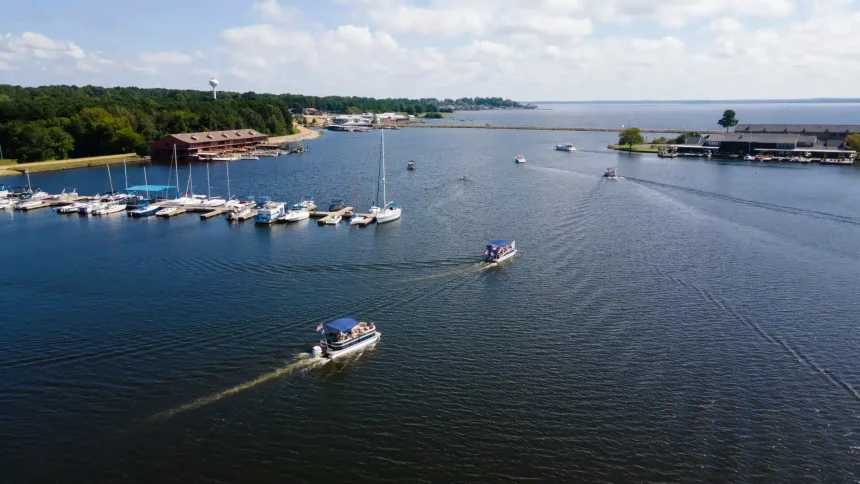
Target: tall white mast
125, 172
384, 200
146, 183
110, 180
208, 185
228, 181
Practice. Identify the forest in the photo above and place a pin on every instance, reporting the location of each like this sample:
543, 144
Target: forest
57, 122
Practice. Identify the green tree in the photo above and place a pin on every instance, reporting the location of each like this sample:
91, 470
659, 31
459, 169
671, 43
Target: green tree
630, 137
686, 134
126, 141
853, 142
728, 120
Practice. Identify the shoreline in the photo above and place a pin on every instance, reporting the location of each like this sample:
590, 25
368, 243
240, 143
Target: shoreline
17, 169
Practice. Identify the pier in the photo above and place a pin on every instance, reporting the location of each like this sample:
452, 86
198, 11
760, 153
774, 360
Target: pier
557, 128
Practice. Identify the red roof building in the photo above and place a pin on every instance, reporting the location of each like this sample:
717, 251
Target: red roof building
190, 145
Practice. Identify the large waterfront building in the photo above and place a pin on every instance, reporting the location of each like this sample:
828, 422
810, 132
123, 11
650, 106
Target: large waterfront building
190, 146
810, 140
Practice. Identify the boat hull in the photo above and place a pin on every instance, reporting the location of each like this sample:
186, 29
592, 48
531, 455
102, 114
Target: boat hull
296, 216
503, 258
339, 353
386, 216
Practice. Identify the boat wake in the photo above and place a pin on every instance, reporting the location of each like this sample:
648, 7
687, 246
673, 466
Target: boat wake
303, 361
476, 267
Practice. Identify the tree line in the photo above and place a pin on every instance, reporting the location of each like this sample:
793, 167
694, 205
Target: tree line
56, 122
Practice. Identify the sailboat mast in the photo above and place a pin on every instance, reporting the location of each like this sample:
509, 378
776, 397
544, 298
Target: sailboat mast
378, 175
146, 183
125, 172
228, 181
384, 199
208, 186
189, 188
110, 180
29, 187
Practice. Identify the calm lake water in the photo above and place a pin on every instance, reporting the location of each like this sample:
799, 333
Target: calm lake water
696, 321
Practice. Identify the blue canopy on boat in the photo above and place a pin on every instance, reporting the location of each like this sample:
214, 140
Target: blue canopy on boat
393, 204
150, 188
500, 242
343, 324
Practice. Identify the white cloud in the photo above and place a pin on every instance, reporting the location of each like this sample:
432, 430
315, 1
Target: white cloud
35, 49
725, 24
272, 11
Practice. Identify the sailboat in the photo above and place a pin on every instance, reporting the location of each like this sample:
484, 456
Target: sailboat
390, 210
210, 200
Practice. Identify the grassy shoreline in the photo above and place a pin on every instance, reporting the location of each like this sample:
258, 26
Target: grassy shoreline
15, 169
643, 148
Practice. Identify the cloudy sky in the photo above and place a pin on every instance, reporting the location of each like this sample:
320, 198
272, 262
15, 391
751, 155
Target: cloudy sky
521, 49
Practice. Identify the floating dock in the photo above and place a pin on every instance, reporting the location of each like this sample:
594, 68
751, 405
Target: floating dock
179, 211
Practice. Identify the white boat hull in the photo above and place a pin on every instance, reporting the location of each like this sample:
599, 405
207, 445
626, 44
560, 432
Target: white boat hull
296, 216
352, 349
565, 148
389, 215
504, 257
167, 212
120, 207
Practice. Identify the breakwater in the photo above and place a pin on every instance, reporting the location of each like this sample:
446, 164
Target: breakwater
559, 128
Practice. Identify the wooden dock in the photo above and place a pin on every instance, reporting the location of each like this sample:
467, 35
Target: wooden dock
368, 218
179, 211
346, 212
51, 204
242, 218
213, 213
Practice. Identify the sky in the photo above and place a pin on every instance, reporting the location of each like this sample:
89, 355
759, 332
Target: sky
527, 50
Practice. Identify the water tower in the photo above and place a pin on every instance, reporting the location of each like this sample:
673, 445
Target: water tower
214, 83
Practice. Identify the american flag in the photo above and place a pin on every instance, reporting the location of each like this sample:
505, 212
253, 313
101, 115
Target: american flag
319, 327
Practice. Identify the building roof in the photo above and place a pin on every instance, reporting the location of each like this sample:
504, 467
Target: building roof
233, 134
737, 137
798, 128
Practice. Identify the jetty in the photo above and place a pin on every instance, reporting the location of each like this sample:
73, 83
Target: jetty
557, 128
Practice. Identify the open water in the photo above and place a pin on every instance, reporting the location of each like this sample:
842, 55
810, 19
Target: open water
695, 321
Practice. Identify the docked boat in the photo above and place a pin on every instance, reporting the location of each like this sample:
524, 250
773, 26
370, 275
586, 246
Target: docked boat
410, 165
611, 173
270, 213
4, 191
390, 211
4, 204
332, 219
359, 219
242, 213
520, 159
145, 211
308, 203
249, 157
214, 202
71, 208
90, 208
30, 204
111, 208
749, 158
67, 195
566, 147
336, 206
344, 336
167, 211
500, 250
295, 213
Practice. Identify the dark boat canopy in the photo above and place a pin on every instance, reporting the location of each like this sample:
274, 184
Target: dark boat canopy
343, 324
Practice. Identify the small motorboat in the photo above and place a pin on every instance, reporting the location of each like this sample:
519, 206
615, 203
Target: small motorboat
145, 211
520, 159
167, 211
4, 204
566, 147
308, 203
30, 204
344, 336
358, 219
242, 213
111, 208
270, 213
464, 178
71, 208
295, 213
332, 219
749, 158
500, 250
336, 206
410, 165
611, 173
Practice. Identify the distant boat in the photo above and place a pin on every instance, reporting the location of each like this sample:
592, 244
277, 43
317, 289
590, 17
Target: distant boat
410, 165
500, 250
332, 219
520, 159
611, 173
295, 213
344, 336
111, 208
336, 205
566, 147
